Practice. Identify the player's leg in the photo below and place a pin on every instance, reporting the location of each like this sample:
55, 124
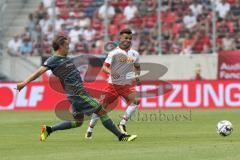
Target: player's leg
107, 121
134, 100
106, 98
92, 123
108, 124
47, 130
76, 121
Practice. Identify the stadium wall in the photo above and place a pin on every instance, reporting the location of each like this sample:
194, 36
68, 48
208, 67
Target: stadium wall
18, 68
183, 67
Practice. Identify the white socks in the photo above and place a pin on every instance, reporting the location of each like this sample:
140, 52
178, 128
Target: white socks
129, 112
93, 122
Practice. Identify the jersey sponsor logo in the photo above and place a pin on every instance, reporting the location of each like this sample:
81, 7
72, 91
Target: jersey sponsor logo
126, 60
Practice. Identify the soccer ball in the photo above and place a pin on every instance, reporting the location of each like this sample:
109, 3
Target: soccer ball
224, 128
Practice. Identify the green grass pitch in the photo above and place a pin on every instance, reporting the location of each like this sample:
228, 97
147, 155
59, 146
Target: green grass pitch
180, 135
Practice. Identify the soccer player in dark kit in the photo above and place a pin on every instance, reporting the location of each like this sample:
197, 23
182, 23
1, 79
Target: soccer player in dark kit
82, 103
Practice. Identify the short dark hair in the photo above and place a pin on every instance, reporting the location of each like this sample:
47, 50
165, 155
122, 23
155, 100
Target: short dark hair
125, 31
57, 41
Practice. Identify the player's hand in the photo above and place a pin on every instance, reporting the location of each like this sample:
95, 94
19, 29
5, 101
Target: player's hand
138, 81
20, 86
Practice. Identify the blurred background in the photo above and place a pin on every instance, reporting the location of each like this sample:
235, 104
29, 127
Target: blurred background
186, 36
198, 41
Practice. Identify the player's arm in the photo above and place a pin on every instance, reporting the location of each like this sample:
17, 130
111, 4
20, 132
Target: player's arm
106, 68
137, 70
31, 78
107, 63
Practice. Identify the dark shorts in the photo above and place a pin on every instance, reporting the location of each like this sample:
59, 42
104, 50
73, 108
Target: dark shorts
83, 104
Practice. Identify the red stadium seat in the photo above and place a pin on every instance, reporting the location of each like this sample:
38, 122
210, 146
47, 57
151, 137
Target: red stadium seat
61, 3
64, 12
119, 18
80, 48
96, 24
232, 2
113, 29
137, 21
120, 4
150, 20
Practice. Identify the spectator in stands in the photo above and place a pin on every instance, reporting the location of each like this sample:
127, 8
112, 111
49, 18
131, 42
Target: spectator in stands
171, 16
37, 34
222, 27
41, 11
237, 40
141, 17
147, 44
204, 21
130, 10
106, 11
175, 47
236, 9
71, 21
177, 27
177, 6
223, 8
44, 23
202, 43
215, 1
206, 3
196, 8
232, 2
136, 41
58, 23
42, 47
231, 22
26, 32
187, 44
151, 5
84, 21
63, 30
74, 33
95, 49
190, 20
219, 43
89, 34
50, 34
99, 41
53, 11
228, 42
14, 46
47, 3
142, 8
165, 46
31, 23
90, 11
81, 46
26, 47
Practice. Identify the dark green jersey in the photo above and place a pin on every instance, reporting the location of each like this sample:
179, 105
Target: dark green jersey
64, 68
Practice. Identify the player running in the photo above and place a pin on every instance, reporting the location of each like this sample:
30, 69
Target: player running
121, 64
82, 103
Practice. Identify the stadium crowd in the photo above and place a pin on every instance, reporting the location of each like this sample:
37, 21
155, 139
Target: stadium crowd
186, 26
